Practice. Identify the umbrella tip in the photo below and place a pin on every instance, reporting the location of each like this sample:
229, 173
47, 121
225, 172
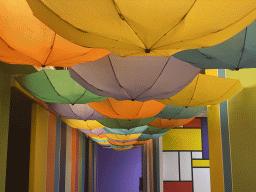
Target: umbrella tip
236, 69
43, 65
147, 50
186, 107
133, 99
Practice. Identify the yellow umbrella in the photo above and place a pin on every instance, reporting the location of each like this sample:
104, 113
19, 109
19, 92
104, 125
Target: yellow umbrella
26, 40
80, 124
145, 27
123, 137
115, 142
205, 90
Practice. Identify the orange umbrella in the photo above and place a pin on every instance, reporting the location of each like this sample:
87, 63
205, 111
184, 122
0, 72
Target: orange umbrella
166, 123
26, 40
115, 142
127, 109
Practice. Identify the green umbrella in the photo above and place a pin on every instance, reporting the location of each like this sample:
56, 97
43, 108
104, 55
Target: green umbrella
178, 112
120, 131
56, 86
125, 124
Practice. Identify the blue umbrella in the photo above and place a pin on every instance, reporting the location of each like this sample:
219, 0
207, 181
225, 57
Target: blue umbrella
135, 130
235, 53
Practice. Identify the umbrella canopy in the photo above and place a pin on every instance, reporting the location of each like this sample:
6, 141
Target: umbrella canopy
98, 137
26, 40
235, 53
146, 137
121, 147
155, 130
166, 123
123, 138
177, 112
145, 27
81, 124
76, 111
121, 143
127, 109
151, 133
125, 124
56, 86
126, 131
98, 131
140, 78
205, 90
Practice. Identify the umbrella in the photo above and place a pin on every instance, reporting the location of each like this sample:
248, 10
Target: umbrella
146, 137
120, 131
155, 130
98, 131
121, 147
56, 86
80, 124
151, 133
123, 138
125, 124
205, 90
177, 112
76, 111
145, 27
166, 123
140, 78
121, 143
235, 53
98, 137
127, 109
26, 40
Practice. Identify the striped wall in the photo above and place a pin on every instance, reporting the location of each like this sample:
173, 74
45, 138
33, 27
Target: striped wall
57, 161
186, 164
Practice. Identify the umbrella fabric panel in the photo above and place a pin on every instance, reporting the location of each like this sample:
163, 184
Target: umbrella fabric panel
134, 78
76, 111
126, 131
26, 40
81, 124
98, 131
235, 53
205, 90
125, 124
145, 137
145, 28
127, 109
120, 143
166, 123
123, 137
155, 130
56, 86
177, 112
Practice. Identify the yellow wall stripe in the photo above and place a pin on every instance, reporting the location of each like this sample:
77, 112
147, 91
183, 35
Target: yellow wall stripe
38, 149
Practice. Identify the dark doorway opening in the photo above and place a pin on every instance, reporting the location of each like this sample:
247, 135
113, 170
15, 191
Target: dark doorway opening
17, 173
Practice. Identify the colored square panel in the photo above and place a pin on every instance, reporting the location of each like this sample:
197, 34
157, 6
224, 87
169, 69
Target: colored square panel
177, 186
194, 123
201, 180
170, 166
197, 155
182, 139
185, 166
201, 163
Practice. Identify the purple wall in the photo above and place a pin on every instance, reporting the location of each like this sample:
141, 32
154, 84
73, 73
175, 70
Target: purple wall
118, 170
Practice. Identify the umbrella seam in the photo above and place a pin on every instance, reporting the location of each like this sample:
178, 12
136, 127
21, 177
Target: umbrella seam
178, 113
208, 34
19, 51
75, 113
193, 92
121, 15
242, 48
176, 24
54, 87
80, 97
51, 48
116, 76
156, 78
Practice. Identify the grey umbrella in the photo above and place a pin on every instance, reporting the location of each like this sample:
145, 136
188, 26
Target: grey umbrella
140, 78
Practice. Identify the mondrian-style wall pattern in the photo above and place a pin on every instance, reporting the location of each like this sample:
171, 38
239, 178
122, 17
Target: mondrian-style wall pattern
186, 163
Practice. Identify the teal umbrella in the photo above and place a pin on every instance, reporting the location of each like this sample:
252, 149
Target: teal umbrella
56, 86
125, 124
152, 133
119, 131
235, 53
177, 112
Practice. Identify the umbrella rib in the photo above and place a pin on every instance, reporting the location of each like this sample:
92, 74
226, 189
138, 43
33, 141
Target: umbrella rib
176, 24
54, 87
194, 91
122, 17
208, 34
245, 35
51, 48
156, 78
18, 51
75, 113
178, 113
80, 97
116, 76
